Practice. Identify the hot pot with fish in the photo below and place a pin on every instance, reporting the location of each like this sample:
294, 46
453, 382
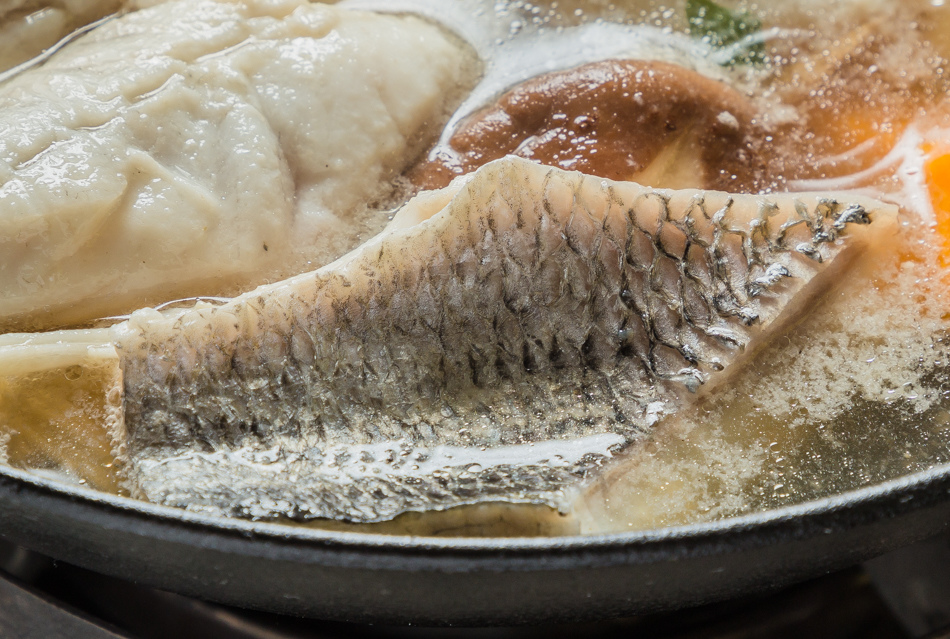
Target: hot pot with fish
474, 313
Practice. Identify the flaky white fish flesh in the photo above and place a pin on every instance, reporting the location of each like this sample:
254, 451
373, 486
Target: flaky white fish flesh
202, 144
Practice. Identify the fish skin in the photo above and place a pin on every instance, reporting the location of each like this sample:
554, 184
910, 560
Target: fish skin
538, 306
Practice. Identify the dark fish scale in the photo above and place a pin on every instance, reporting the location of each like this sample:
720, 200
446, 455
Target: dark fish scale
540, 306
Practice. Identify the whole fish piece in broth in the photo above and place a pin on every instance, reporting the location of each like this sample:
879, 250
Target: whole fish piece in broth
205, 147
498, 342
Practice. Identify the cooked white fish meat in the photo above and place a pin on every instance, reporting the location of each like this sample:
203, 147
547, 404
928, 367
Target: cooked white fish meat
498, 342
27, 28
240, 144
31, 27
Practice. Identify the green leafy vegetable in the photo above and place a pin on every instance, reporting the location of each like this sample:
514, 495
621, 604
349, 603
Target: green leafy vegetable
723, 28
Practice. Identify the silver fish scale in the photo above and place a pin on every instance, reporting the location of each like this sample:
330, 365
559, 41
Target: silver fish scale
540, 308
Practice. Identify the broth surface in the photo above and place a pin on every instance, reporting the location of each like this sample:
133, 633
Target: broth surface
850, 97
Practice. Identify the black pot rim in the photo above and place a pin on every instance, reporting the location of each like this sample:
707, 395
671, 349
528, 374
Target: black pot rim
887, 499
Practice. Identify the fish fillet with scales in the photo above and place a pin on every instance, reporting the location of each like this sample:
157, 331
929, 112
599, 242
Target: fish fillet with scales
499, 342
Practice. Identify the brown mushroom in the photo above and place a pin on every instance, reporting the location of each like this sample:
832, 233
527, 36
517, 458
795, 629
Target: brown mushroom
646, 121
